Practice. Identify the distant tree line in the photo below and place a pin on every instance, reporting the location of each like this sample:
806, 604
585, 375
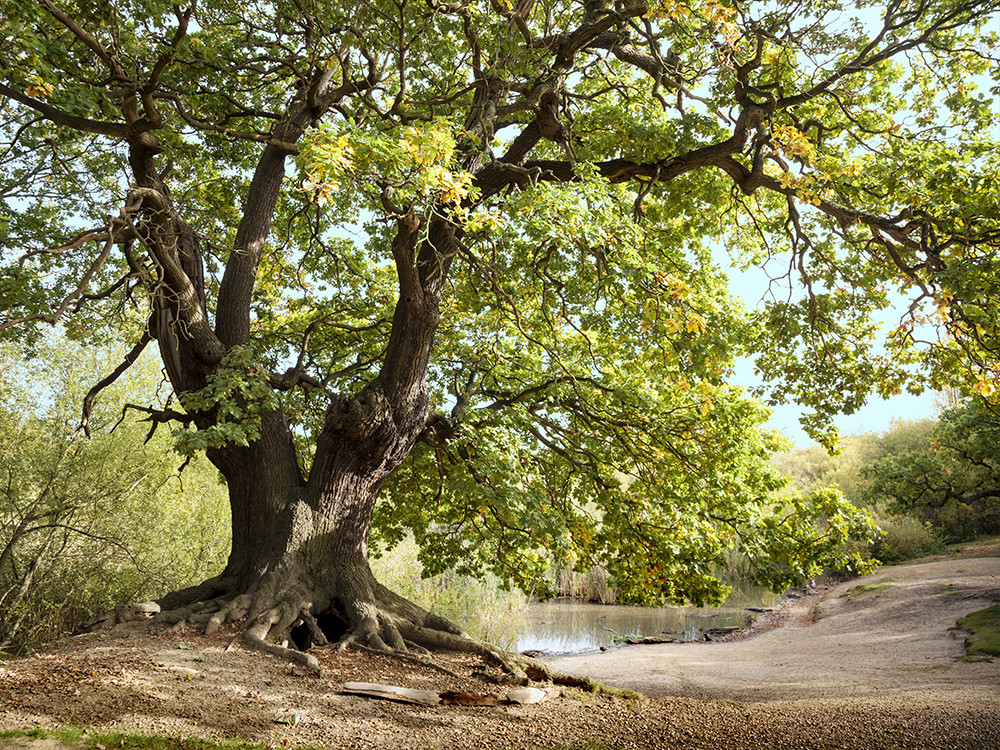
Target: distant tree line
942, 474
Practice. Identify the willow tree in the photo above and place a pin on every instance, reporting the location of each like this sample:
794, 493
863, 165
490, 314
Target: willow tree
449, 266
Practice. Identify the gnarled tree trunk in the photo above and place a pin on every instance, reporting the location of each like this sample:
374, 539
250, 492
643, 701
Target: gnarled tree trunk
299, 563
299, 556
298, 570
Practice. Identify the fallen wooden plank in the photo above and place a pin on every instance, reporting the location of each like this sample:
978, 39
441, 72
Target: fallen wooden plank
526, 695
523, 695
393, 693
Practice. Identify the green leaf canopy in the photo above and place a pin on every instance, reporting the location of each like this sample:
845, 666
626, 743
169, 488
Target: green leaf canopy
561, 174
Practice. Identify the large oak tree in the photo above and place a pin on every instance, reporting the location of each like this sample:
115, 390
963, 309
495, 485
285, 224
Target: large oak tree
450, 265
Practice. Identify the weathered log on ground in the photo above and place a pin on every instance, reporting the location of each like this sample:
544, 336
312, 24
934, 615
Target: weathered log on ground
521, 695
393, 693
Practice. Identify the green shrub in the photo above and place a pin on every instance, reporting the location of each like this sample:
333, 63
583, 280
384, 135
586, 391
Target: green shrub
89, 524
903, 538
115, 526
963, 523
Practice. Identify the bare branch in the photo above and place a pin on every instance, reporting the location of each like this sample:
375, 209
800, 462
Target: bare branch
53, 318
127, 362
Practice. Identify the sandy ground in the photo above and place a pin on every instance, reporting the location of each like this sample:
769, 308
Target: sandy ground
897, 642
878, 670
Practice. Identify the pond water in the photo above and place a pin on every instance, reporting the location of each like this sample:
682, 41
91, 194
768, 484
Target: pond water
566, 626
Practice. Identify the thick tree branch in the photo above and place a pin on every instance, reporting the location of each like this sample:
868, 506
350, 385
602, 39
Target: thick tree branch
239, 279
502, 175
113, 129
750, 181
86, 37
158, 233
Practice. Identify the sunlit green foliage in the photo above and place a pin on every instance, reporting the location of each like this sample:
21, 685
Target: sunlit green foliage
552, 181
927, 482
88, 524
236, 394
902, 536
953, 481
815, 467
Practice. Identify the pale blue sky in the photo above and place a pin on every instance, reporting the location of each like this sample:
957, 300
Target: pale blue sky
876, 416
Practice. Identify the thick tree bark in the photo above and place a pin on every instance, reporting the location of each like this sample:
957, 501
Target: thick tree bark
298, 572
299, 558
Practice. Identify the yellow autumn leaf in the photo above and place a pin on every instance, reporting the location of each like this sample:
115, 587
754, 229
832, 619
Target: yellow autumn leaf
39, 89
695, 324
984, 387
706, 405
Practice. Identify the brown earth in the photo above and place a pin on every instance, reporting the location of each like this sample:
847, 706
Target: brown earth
881, 669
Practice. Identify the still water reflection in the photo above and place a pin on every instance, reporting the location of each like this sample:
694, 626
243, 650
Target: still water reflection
570, 626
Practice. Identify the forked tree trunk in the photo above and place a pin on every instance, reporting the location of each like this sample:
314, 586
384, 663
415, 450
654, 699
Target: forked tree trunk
299, 568
299, 561
299, 554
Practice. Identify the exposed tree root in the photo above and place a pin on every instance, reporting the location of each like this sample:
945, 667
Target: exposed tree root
254, 636
287, 619
396, 629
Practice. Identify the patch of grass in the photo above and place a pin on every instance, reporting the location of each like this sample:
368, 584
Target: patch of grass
984, 632
865, 588
595, 688
91, 740
949, 589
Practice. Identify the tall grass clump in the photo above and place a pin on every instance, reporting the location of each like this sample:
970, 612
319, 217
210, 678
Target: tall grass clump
482, 608
592, 585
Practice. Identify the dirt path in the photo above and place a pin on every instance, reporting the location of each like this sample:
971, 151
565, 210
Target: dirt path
896, 641
879, 671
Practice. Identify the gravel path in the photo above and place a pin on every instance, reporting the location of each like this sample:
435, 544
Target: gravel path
877, 671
